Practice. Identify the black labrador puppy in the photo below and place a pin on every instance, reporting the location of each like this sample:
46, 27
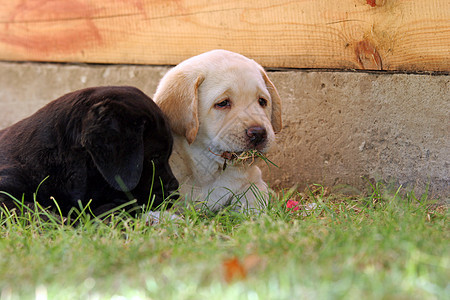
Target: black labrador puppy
105, 144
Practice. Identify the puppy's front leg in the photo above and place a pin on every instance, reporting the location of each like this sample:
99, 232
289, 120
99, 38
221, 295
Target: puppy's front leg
156, 217
256, 193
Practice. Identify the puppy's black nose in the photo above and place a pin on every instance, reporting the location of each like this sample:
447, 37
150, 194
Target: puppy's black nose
257, 135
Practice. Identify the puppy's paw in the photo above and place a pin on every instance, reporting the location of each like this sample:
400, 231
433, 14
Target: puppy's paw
153, 218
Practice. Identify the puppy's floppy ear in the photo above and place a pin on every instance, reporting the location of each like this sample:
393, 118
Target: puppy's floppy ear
276, 103
116, 149
177, 96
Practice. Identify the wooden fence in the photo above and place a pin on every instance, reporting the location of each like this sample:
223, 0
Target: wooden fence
406, 35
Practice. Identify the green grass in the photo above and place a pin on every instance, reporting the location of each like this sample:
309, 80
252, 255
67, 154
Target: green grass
375, 246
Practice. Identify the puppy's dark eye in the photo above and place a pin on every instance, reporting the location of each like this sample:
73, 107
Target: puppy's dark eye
223, 104
262, 102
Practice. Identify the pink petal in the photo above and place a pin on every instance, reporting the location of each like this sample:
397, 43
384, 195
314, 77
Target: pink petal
293, 205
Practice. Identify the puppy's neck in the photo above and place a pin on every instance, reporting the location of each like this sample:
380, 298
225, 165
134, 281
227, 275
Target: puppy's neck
195, 160
201, 175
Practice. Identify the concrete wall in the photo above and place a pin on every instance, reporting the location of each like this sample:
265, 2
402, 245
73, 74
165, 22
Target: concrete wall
338, 126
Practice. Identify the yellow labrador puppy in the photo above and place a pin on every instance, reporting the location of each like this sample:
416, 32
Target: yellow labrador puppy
219, 104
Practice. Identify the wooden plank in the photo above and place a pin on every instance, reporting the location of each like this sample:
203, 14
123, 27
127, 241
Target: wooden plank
410, 35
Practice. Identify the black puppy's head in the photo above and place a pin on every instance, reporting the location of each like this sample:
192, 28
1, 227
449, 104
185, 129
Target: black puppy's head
129, 141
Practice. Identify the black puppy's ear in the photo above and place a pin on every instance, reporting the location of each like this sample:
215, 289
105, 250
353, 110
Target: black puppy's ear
116, 146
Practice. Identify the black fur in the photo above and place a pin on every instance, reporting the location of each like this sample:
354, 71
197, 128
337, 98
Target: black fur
107, 144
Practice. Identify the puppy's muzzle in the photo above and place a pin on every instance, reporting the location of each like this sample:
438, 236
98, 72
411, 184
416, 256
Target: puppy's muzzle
257, 135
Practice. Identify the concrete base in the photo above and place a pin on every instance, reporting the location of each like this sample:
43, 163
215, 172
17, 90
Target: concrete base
338, 126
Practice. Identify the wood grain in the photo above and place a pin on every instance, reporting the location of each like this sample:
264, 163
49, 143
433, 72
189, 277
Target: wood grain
410, 35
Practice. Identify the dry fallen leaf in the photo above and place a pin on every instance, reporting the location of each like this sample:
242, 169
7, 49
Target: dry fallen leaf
233, 270
253, 262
